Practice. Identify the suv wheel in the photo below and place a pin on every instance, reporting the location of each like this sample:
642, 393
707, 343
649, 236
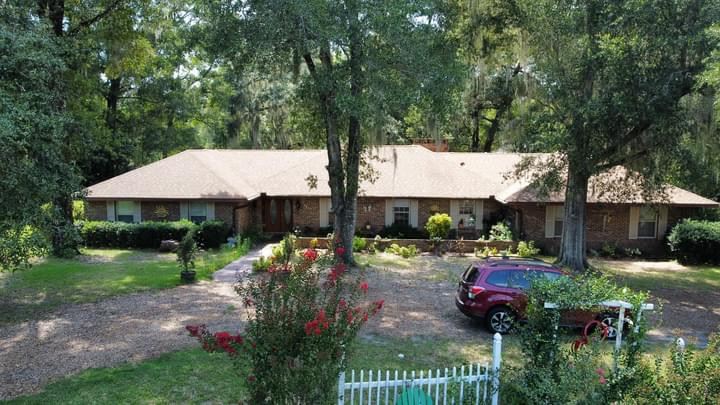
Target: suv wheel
500, 320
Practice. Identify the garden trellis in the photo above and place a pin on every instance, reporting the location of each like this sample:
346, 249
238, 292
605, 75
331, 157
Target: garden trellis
623, 306
440, 386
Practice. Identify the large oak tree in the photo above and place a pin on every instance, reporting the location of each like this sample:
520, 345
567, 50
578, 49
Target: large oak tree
612, 76
362, 59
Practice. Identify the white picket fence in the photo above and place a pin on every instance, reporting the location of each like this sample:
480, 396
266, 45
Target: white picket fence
449, 386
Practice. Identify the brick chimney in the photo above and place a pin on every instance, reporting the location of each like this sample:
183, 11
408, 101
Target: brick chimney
435, 145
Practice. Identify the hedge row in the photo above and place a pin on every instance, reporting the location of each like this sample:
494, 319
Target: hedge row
148, 235
696, 242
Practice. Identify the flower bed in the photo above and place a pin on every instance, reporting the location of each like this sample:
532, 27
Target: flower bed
465, 246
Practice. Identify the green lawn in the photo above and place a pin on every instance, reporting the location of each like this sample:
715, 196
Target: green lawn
663, 274
193, 376
97, 274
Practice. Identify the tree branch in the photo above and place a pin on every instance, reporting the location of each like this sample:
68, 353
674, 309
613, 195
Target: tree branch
623, 160
84, 24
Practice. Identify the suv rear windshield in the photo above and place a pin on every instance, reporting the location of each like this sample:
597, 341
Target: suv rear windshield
471, 274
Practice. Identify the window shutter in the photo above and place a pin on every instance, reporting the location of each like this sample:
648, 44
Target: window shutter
137, 213
550, 221
389, 218
455, 212
634, 222
662, 221
324, 219
210, 211
414, 213
479, 214
110, 210
184, 210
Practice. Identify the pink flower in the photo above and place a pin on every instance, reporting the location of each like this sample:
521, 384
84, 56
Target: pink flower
600, 371
311, 254
602, 380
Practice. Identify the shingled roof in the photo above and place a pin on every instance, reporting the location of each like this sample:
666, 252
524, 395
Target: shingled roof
402, 172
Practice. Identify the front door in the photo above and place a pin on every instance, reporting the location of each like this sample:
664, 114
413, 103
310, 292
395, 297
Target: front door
277, 215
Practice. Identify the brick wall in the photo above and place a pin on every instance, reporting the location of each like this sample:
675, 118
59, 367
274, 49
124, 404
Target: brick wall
224, 211
151, 210
96, 210
605, 223
307, 213
429, 206
370, 211
243, 219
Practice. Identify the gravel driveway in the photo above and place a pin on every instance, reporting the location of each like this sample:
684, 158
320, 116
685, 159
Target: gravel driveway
125, 328
419, 304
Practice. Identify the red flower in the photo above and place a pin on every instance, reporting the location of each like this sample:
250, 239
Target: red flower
310, 327
342, 304
195, 330
378, 306
311, 254
339, 251
365, 316
364, 287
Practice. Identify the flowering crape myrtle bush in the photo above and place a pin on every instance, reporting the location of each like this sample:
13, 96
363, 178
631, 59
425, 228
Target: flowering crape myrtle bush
302, 317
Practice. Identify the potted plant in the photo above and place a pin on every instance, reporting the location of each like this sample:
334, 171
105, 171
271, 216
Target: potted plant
186, 252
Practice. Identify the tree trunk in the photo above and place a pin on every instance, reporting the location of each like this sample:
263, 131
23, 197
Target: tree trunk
112, 103
255, 131
572, 245
475, 146
348, 214
492, 131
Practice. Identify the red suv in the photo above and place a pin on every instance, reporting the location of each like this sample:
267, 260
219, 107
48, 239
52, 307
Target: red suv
493, 290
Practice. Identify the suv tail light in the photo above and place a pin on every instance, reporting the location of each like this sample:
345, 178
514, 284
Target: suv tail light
475, 291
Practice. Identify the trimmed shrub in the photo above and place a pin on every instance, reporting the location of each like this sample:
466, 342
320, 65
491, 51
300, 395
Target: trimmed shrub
527, 249
212, 234
696, 242
404, 251
500, 231
359, 244
438, 226
145, 235
398, 231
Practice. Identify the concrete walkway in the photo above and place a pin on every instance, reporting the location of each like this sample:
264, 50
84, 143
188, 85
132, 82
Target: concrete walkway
242, 266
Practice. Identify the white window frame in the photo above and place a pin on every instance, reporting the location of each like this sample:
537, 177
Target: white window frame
655, 222
401, 210
553, 214
197, 204
126, 208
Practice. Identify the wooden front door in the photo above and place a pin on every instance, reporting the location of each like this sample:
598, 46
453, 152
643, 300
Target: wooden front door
277, 214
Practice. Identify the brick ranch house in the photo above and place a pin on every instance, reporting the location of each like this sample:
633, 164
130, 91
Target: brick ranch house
271, 191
